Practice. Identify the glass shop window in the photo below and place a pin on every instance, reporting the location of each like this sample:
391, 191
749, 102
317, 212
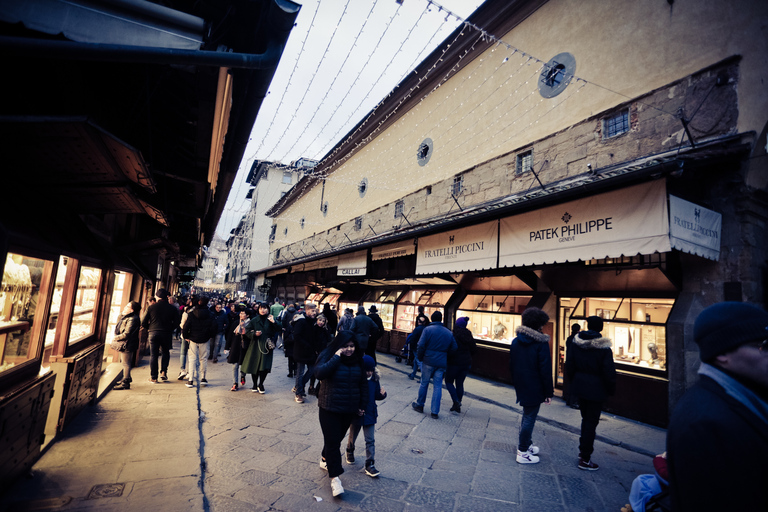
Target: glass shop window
24, 287
493, 318
84, 316
636, 327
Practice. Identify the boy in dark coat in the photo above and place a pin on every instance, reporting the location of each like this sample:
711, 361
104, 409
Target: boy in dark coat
590, 369
368, 421
531, 367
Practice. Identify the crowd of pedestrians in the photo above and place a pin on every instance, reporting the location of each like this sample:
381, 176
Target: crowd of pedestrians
336, 356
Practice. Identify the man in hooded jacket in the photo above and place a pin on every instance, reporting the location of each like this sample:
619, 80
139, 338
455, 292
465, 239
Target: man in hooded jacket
589, 366
531, 368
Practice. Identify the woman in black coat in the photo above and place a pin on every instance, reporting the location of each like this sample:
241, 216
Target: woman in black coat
341, 399
127, 330
589, 366
238, 346
459, 362
322, 336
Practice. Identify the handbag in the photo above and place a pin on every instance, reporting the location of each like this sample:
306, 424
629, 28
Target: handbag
118, 345
270, 344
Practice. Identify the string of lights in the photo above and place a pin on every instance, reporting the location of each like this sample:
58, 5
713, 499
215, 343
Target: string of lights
498, 130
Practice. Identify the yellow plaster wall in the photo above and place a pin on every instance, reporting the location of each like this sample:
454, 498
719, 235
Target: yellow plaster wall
623, 48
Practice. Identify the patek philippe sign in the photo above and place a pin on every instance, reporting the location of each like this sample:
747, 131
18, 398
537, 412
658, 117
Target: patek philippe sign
472, 248
624, 222
355, 264
694, 229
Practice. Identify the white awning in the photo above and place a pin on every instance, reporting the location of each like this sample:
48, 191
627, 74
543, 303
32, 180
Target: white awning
354, 264
694, 229
323, 263
459, 250
395, 250
625, 222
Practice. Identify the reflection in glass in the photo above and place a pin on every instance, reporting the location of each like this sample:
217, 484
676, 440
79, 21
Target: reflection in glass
84, 316
19, 295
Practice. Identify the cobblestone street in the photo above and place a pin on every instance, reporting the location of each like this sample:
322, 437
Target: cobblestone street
260, 453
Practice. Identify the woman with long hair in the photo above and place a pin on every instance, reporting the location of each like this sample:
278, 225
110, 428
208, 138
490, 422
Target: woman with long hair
342, 397
258, 357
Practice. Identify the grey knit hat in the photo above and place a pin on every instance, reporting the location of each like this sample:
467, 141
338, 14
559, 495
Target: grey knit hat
728, 325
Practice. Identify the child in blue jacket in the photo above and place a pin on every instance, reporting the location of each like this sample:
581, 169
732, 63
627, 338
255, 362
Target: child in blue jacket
368, 421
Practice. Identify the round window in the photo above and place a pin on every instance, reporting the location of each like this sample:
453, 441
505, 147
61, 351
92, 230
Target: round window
362, 188
557, 74
302, 223
424, 152
325, 208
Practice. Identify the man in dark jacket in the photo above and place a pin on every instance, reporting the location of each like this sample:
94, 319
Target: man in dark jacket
589, 366
434, 345
161, 319
373, 314
531, 368
459, 362
717, 441
304, 349
365, 330
222, 321
199, 328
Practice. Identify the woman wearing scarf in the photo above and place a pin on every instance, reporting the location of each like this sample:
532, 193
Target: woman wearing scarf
127, 330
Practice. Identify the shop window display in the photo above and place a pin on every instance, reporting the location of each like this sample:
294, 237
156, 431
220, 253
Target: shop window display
408, 306
83, 318
636, 327
20, 293
493, 318
384, 300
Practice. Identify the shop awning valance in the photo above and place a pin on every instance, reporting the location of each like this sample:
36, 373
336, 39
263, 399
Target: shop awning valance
394, 250
626, 222
354, 264
459, 250
694, 229
323, 263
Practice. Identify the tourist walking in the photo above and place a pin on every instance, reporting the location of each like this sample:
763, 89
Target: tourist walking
341, 399
237, 346
161, 319
304, 349
589, 365
434, 345
258, 358
459, 362
531, 368
367, 422
199, 328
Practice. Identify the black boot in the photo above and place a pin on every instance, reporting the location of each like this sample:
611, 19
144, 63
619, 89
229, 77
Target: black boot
456, 407
370, 469
123, 385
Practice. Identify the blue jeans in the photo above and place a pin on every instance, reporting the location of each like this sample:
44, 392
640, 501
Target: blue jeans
526, 427
456, 375
302, 377
218, 342
236, 373
183, 355
436, 374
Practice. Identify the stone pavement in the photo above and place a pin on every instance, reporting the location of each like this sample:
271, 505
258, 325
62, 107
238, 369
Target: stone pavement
165, 447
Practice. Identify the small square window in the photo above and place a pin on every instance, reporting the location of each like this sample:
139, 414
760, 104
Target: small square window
358, 224
458, 185
524, 162
429, 190
287, 177
616, 124
398, 209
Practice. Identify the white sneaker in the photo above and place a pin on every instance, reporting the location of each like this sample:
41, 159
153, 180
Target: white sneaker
526, 458
336, 486
533, 450
323, 464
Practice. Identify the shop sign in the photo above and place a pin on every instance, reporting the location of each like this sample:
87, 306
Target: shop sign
694, 229
354, 264
395, 250
324, 263
459, 250
625, 222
